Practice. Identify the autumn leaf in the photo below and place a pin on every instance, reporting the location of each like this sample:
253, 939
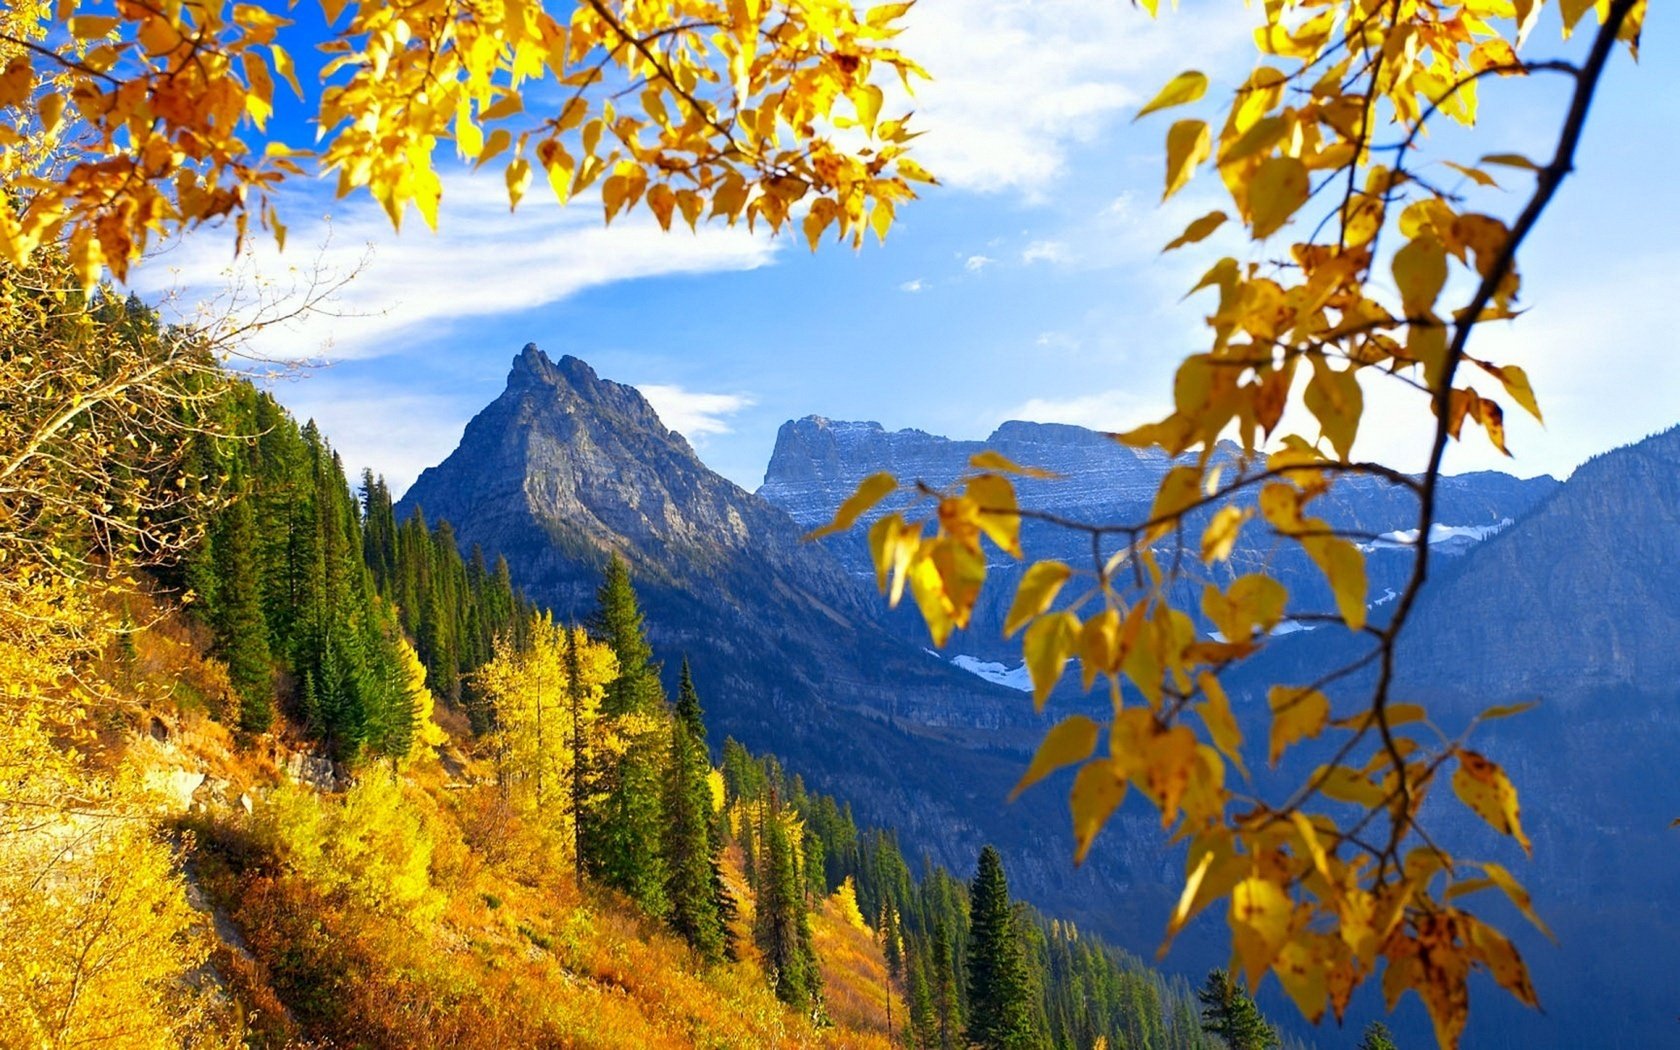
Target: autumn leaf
1484, 787
1297, 715
1185, 88
1278, 190
1070, 740
1037, 589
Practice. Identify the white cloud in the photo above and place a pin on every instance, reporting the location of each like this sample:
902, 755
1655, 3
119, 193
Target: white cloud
1044, 251
485, 261
976, 263
1107, 410
393, 432
694, 414
912, 286
1017, 83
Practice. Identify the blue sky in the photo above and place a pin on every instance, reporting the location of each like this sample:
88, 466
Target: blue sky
1030, 285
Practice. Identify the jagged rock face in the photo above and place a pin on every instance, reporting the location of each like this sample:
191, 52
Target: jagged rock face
818, 462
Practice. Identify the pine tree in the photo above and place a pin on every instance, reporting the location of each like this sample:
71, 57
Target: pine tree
782, 928
241, 631
629, 858
690, 852
1000, 999
1377, 1037
1229, 1013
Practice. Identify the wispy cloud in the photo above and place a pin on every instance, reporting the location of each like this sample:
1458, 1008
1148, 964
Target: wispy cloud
484, 261
1107, 410
1018, 83
912, 287
389, 430
976, 263
694, 414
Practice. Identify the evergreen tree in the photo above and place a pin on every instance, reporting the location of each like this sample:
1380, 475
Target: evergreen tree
241, 632
1377, 1037
924, 1023
782, 928
690, 850
947, 1008
628, 856
1229, 1013
1000, 994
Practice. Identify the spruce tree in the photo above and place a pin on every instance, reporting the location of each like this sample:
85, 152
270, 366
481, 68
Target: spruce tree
1377, 1037
947, 1008
690, 851
1000, 999
923, 1030
1229, 1013
782, 928
629, 858
241, 631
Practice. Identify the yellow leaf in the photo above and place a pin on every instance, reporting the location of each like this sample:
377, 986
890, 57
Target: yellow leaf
1215, 710
1511, 160
1516, 384
1222, 532
1048, 645
1198, 230
88, 27
870, 491
1335, 399
1296, 715
1507, 710
1188, 144
1513, 889
1185, 88
1348, 785
893, 544
1344, 567
990, 460
1484, 787
997, 514
1279, 188
1420, 271
1037, 590
1502, 960
1070, 740
1302, 972
867, 98
1098, 789
1259, 918
1099, 646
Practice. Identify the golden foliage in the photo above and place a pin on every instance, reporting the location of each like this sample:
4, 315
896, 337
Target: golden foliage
1336, 111
155, 118
96, 934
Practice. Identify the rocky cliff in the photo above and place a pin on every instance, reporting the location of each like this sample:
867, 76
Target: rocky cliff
818, 462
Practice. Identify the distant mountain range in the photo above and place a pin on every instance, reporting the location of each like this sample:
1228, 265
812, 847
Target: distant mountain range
1570, 592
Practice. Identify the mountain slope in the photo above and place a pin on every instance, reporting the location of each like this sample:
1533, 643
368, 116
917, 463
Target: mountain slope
564, 467
1576, 605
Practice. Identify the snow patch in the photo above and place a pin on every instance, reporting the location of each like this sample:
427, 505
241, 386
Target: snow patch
996, 673
1455, 535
